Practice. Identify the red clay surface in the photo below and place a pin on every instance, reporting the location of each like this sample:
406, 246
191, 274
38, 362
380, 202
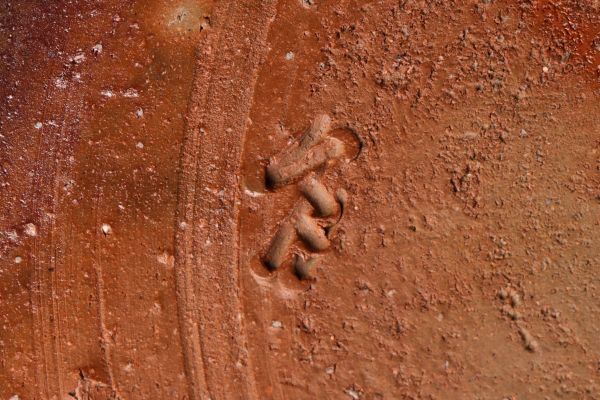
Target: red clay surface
445, 223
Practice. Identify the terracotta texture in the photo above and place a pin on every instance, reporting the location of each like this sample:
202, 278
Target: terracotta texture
299, 199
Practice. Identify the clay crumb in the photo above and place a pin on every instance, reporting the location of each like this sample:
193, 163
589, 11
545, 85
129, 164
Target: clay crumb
38, 125
13, 236
511, 312
352, 393
77, 59
107, 93
528, 340
18, 260
106, 229
131, 93
277, 324
523, 133
30, 230
304, 270
515, 299
163, 258
97, 49
502, 294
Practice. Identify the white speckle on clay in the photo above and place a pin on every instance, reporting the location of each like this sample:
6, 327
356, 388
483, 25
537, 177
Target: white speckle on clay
106, 229
30, 229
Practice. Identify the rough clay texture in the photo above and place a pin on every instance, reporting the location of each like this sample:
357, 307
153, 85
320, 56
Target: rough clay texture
462, 257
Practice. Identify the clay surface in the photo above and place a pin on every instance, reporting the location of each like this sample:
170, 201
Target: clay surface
299, 199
